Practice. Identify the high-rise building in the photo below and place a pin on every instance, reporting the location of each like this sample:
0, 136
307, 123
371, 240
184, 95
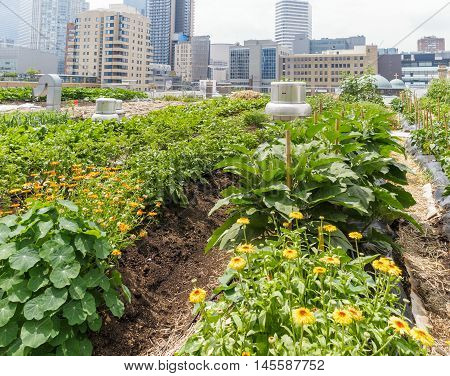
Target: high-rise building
172, 21
292, 17
219, 62
111, 44
324, 71
192, 59
9, 21
138, 4
304, 45
183, 61
255, 64
43, 24
431, 44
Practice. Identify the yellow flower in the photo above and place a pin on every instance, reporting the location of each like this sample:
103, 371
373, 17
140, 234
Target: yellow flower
394, 270
290, 254
123, 227
355, 235
296, 215
303, 316
342, 316
152, 214
422, 336
158, 204
332, 260
243, 221
140, 212
355, 313
116, 252
54, 163
388, 266
134, 204
245, 353
379, 265
399, 325
197, 296
329, 228
237, 263
13, 191
319, 270
245, 248
143, 234
286, 224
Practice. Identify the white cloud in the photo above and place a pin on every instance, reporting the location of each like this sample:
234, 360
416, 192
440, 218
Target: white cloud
383, 22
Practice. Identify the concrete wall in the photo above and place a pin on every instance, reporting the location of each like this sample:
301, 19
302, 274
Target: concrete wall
21, 59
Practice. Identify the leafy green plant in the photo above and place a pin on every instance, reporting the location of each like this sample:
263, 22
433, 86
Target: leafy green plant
344, 174
360, 89
290, 297
255, 118
56, 276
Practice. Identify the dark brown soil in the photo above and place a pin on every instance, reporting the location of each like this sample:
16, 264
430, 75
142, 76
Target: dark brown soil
159, 271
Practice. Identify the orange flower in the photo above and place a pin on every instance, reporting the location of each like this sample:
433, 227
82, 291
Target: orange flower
158, 204
55, 163
143, 234
140, 212
116, 253
152, 214
134, 204
123, 227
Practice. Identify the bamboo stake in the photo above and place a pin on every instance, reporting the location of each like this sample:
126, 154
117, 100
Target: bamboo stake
439, 110
288, 159
337, 128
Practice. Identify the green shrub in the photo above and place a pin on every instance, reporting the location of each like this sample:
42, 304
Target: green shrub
255, 118
57, 273
360, 89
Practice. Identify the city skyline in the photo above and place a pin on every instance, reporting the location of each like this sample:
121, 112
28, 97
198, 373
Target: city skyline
255, 19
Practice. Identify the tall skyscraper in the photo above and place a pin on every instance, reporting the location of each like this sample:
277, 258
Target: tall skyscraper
292, 17
138, 4
172, 21
431, 44
9, 20
43, 24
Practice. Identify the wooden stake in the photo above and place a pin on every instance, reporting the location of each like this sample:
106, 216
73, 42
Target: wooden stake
288, 159
337, 128
439, 110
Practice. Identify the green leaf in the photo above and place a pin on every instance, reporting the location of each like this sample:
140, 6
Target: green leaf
53, 298
63, 274
363, 261
88, 303
19, 293
34, 308
24, 259
68, 225
102, 248
9, 333
9, 220
218, 233
77, 288
43, 229
77, 347
36, 333
38, 278
74, 313
84, 243
93, 278
114, 303
4, 232
62, 255
94, 322
237, 320
69, 205
7, 250
9, 278
7, 310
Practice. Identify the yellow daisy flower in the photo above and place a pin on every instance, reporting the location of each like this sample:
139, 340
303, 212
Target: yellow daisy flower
332, 260
303, 316
243, 221
355, 235
245, 353
245, 248
319, 270
422, 336
329, 228
355, 313
399, 325
296, 215
197, 296
237, 263
116, 252
290, 254
342, 316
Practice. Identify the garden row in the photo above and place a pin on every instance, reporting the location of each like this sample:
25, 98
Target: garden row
306, 277
25, 94
73, 194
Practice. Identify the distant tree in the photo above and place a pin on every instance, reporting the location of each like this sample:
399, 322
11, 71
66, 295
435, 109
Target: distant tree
10, 74
32, 72
439, 90
360, 89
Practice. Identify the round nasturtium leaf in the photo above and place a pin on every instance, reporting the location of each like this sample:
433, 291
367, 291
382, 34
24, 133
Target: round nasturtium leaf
94, 322
34, 309
24, 259
9, 333
7, 250
54, 298
74, 313
63, 274
62, 255
77, 288
88, 303
35, 333
76, 347
9, 278
7, 310
102, 248
19, 293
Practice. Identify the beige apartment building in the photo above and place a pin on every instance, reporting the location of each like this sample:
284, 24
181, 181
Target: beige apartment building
183, 61
324, 71
111, 44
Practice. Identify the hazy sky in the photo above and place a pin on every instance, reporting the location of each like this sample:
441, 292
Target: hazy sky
383, 22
